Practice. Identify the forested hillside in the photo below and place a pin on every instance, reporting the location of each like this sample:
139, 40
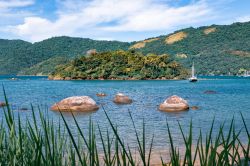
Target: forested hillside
14, 56
215, 49
18, 56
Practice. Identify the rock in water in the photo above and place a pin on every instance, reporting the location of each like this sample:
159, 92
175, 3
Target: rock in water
101, 94
122, 99
174, 104
195, 108
2, 104
76, 103
210, 92
23, 109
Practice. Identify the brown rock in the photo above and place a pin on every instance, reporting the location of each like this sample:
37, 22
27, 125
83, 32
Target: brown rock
122, 99
76, 103
3, 104
91, 52
101, 94
55, 78
194, 107
174, 104
67, 78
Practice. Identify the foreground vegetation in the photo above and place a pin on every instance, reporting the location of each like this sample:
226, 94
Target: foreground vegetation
48, 144
121, 65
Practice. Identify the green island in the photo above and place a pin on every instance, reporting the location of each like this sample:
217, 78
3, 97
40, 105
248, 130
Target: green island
120, 65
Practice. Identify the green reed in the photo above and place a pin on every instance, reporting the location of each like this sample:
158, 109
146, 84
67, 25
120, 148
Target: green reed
43, 143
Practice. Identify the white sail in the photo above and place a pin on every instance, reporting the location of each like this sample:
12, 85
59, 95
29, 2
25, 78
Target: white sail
246, 74
193, 78
193, 72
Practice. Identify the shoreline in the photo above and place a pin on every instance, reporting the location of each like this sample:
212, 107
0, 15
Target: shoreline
202, 77
114, 79
56, 78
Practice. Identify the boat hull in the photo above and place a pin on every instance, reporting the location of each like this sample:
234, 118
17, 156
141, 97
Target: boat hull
193, 80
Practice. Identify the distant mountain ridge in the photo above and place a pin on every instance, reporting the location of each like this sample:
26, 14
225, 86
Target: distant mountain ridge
20, 57
215, 49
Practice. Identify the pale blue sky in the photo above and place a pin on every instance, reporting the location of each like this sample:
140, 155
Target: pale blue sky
124, 20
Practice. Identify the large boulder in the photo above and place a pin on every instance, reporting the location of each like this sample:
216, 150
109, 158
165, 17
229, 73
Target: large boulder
122, 99
76, 103
174, 104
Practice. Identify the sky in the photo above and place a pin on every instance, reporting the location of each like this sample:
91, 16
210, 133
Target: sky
123, 20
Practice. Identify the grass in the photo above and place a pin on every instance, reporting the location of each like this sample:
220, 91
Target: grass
46, 144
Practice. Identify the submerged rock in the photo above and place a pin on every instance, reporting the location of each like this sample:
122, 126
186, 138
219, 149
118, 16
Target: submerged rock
210, 92
76, 103
24, 109
195, 108
122, 99
174, 104
101, 94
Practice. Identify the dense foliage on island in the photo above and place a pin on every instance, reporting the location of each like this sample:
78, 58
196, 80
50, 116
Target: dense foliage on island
120, 65
215, 49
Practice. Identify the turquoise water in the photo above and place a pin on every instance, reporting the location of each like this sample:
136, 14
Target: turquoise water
232, 97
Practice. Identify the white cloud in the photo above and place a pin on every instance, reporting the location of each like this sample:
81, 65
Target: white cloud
5, 4
105, 16
243, 18
10, 15
158, 17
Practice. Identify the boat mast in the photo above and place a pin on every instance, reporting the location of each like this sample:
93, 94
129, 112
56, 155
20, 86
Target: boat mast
193, 70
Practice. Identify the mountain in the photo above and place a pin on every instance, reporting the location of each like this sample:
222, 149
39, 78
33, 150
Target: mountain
14, 56
215, 49
20, 57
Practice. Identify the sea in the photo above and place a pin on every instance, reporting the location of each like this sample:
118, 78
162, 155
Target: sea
230, 100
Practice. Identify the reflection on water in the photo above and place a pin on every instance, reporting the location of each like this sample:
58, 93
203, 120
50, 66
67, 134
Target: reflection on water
231, 98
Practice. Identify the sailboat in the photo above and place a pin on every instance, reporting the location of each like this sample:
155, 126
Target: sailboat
246, 74
193, 78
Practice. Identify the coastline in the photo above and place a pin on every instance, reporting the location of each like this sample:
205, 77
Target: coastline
49, 77
113, 79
